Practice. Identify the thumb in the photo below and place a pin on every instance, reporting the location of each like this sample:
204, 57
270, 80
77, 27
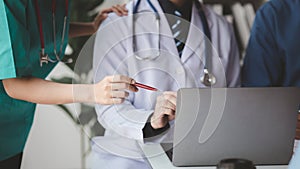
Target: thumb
100, 19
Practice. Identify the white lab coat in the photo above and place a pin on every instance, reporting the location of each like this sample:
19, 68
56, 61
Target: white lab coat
113, 54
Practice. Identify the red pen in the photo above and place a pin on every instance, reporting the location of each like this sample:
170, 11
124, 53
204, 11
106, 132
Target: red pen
145, 86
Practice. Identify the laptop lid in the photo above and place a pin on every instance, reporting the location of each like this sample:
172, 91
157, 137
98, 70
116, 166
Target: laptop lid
257, 124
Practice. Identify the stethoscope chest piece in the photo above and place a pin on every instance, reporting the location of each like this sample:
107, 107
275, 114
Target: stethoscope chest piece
208, 79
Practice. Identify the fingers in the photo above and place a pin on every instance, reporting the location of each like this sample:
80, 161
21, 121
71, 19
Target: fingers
120, 79
123, 9
167, 100
169, 113
101, 17
171, 99
120, 82
120, 10
168, 105
107, 10
114, 97
123, 86
164, 110
161, 120
113, 101
119, 94
113, 89
171, 93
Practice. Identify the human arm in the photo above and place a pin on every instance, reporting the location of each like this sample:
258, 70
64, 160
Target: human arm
112, 56
164, 111
125, 119
110, 90
83, 29
262, 63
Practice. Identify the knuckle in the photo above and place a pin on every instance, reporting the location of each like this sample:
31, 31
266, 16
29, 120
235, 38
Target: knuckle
165, 102
168, 97
122, 94
124, 86
130, 87
113, 86
118, 77
115, 78
107, 94
105, 101
117, 101
107, 87
107, 78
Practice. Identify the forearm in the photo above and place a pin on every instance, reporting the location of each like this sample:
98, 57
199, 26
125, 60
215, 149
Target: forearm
47, 92
81, 29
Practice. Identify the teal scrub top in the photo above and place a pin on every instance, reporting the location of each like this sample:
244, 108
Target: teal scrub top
19, 57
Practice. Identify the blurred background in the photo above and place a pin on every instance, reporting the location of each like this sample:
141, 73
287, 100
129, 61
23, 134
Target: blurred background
59, 138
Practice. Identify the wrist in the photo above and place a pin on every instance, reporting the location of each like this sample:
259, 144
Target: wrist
151, 121
154, 124
94, 26
84, 93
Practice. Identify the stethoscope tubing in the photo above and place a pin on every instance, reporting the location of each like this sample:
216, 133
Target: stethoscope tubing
210, 80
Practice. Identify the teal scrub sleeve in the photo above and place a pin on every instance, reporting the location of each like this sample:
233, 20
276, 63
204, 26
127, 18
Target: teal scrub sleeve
7, 65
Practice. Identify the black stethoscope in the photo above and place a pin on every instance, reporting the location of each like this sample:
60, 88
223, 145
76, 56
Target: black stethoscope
208, 79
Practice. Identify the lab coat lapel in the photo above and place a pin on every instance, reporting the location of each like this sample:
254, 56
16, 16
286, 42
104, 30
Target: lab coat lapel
167, 39
167, 42
194, 43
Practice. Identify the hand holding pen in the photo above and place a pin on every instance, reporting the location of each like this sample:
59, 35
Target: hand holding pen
114, 89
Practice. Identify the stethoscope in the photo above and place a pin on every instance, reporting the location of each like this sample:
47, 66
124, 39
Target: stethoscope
208, 79
44, 57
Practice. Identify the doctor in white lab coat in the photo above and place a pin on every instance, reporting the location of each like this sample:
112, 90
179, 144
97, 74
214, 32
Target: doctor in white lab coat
119, 50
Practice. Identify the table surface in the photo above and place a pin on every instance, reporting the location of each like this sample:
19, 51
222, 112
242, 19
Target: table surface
159, 160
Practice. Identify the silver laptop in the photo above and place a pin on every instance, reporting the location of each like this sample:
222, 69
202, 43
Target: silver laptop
258, 124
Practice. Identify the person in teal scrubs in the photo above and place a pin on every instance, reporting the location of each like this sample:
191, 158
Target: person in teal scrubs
22, 83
